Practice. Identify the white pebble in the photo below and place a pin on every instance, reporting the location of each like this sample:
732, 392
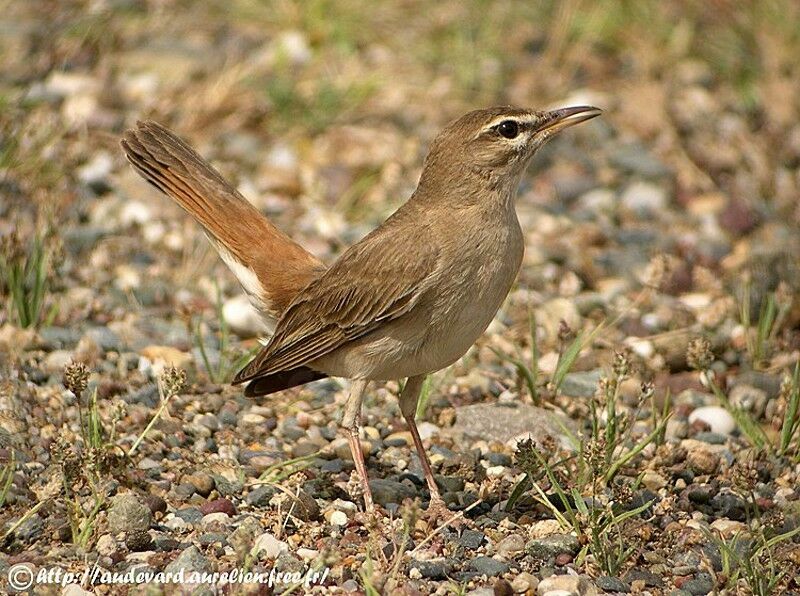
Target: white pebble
242, 318
718, 418
269, 545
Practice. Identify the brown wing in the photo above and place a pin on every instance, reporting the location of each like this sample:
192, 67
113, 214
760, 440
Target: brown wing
373, 282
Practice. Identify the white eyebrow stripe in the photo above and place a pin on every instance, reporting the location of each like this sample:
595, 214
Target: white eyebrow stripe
518, 118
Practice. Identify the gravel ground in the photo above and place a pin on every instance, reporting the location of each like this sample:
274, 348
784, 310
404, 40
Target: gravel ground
646, 351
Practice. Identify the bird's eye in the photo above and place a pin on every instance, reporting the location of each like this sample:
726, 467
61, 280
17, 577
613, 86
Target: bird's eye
508, 128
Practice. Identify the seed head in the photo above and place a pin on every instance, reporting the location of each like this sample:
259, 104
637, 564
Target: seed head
698, 354
76, 377
173, 380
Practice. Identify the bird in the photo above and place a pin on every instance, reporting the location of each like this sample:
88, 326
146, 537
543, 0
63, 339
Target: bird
408, 299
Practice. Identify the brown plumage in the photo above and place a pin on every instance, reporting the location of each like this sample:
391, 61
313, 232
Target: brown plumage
410, 298
281, 265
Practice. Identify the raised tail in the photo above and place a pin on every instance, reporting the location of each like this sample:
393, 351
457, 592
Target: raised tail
271, 267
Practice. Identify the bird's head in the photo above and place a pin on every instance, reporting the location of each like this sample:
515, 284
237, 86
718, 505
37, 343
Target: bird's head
496, 144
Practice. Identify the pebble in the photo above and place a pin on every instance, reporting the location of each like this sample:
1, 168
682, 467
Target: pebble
653, 480
701, 585
303, 506
75, 590
702, 461
471, 539
210, 520
581, 384
56, 360
550, 547
730, 505
612, 584
749, 398
336, 518
488, 566
106, 545
727, 528
385, 491
510, 545
525, 582
427, 430
260, 496
243, 319
644, 198
566, 585
432, 568
492, 422
190, 559
202, 483
717, 418
269, 546
138, 541
127, 513
223, 506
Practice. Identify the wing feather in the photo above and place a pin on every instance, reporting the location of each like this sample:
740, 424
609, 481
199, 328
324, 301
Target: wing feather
373, 282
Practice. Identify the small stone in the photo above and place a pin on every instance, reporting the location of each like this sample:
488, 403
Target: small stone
581, 384
95, 172
75, 590
701, 585
243, 537
550, 547
644, 198
218, 506
269, 546
524, 582
717, 418
612, 584
432, 569
566, 585
427, 430
563, 559
653, 480
106, 545
493, 422
488, 566
158, 357
242, 317
303, 506
399, 439
203, 483
647, 578
449, 484
727, 528
385, 491
190, 514
336, 518
189, 560
471, 539
56, 360
127, 513
511, 545
749, 398
730, 505
261, 495
702, 461
138, 541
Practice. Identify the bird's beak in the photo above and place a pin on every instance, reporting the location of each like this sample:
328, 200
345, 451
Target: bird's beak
557, 120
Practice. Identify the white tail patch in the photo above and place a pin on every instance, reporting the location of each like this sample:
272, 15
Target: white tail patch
247, 278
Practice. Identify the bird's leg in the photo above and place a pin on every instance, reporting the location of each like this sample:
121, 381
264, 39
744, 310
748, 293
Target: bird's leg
351, 421
408, 406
